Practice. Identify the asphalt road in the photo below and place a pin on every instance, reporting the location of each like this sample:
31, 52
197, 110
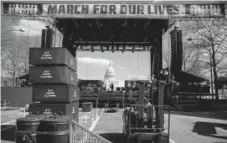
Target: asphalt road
183, 128
195, 129
110, 127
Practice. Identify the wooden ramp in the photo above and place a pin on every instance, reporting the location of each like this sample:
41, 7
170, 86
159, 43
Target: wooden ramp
110, 126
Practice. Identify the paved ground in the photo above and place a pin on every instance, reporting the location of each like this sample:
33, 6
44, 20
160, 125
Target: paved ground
184, 128
110, 127
109, 123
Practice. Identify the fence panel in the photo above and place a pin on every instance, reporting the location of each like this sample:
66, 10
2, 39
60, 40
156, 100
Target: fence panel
80, 134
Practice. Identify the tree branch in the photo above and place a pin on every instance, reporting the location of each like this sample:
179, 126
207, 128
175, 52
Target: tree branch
224, 56
220, 43
205, 72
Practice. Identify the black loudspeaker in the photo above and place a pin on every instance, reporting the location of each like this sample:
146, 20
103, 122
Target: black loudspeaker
52, 56
43, 38
176, 50
47, 38
52, 75
70, 109
55, 93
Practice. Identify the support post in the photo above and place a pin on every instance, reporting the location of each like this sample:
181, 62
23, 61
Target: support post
141, 103
150, 116
160, 103
158, 66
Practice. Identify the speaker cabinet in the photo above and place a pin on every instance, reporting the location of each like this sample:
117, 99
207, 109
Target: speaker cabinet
70, 109
55, 93
52, 75
52, 56
176, 50
47, 38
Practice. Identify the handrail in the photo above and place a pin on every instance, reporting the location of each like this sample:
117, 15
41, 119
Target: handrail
80, 134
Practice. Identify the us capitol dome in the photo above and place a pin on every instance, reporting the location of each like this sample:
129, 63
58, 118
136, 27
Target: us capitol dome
110, 78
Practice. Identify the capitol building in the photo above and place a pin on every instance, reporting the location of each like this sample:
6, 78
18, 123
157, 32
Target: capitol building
110, 79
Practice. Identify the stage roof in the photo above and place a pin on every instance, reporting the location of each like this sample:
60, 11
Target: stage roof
112, 34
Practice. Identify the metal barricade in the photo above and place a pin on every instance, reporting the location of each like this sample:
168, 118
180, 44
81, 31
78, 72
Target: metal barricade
79, 134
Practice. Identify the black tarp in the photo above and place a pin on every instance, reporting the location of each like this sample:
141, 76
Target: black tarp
98, 83
184, 77
223, 79
26, 76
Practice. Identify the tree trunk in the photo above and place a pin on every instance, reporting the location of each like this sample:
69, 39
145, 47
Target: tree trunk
215, 83
215, 72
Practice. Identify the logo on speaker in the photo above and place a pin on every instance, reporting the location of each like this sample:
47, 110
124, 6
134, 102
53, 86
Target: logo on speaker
46, 74
50, 93
71, 61
73, 110
71, 77
75, 93
46, 56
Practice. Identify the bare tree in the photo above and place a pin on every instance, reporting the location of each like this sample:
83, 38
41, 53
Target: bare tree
15, 56
190, 60
210, 36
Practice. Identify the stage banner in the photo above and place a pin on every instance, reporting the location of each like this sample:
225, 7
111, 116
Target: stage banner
115, 10
131, 10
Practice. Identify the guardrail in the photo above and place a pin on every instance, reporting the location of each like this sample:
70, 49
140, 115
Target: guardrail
79, 134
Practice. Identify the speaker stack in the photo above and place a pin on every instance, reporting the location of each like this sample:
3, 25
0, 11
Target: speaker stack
47, 38
54, 80
176, 51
